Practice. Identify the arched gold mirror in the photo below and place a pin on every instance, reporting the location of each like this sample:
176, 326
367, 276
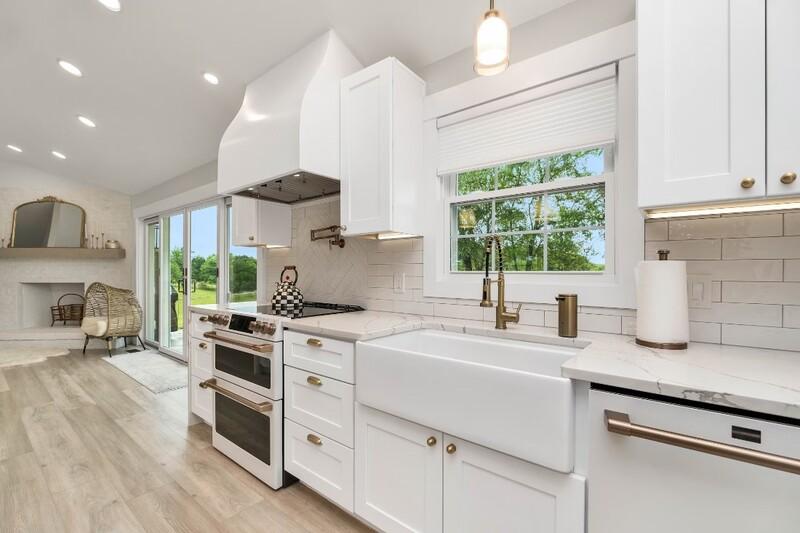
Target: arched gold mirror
48, 223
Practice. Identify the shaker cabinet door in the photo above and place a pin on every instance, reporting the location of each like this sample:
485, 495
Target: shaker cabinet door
398, 473
701, 94
485, 490
783, 110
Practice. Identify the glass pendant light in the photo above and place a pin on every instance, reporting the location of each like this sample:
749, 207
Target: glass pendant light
492, 41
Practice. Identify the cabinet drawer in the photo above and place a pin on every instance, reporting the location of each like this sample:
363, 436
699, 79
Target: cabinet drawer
202, 358
323, 464
200, 325
320, 403
202, 401
321, 355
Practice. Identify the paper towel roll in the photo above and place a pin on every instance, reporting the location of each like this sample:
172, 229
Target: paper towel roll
663, 308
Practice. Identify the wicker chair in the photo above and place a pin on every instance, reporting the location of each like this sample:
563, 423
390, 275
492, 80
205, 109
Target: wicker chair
111, 313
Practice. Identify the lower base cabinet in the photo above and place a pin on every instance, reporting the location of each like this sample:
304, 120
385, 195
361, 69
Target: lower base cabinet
412, 478
398, 473
485, 490
202, 401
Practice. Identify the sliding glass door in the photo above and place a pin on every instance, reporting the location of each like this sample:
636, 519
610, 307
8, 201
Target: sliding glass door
181, 269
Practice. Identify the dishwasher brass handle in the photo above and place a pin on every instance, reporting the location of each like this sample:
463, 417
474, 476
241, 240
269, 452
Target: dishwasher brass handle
313, 439
621, 424
316, 343
314, 380
261, 348
262, 407
788, 178
747, 183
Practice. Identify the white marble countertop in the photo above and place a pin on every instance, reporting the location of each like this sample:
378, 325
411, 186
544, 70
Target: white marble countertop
766, 381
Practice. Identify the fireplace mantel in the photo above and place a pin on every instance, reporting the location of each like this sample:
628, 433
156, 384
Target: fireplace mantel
62, 253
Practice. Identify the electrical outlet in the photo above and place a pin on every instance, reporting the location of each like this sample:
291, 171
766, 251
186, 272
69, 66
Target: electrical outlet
399, 282
698, 287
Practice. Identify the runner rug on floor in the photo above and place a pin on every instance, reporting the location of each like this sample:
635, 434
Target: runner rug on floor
155, 371
26, 356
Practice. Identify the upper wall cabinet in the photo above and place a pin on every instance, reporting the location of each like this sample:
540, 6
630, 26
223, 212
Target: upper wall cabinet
381, 149
783, 108
701, 99
260, 223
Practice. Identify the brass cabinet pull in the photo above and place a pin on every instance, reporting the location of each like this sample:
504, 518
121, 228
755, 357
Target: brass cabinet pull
262, 407
314, 380
203, 318
451, 448
313, 439
431, 441
747, 183
621, 424
262, 348
203, 345
316, 343
788, 178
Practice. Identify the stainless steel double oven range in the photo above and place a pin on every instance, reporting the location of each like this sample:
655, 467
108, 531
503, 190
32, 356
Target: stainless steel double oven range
248, 387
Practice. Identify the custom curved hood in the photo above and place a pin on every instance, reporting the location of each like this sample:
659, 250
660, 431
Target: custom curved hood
284, 141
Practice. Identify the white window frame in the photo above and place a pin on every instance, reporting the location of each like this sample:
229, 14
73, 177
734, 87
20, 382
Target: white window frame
452, 198
615, 287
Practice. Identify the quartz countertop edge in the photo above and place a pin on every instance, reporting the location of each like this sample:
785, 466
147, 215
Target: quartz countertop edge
753, 379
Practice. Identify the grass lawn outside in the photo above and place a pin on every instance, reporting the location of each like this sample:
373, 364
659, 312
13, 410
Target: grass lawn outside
209, 296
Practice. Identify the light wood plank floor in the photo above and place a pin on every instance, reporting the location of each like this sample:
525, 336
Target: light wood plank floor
83, 447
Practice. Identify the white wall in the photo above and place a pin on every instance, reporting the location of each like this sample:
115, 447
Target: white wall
567, 24
176, 187
107, 211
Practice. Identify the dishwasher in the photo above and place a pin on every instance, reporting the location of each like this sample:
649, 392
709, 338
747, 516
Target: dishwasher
661, 465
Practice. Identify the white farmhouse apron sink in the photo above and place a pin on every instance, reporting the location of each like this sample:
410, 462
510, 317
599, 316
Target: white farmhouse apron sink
503, 394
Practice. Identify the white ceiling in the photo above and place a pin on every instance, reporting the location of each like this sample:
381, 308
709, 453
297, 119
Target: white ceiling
142, 71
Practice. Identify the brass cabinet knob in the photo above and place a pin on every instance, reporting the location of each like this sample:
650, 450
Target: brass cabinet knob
451, 448
313, 439
251, 238
314, 380
203, 345
431, 441
316, 343
788, 178
747, 183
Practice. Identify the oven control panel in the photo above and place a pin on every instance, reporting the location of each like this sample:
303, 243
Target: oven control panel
251, 326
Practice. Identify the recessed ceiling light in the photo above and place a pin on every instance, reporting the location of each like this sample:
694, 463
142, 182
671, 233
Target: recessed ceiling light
111, 5
297, 175
86, 121
251, 188
211, 78
69, 67
14, 147
58, 154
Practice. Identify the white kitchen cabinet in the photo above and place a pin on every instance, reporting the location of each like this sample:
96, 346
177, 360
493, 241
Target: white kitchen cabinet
783, 111
398, 473
202, 401
260, 223
323, 404
701, 99
381, 149
485, 490
201, 357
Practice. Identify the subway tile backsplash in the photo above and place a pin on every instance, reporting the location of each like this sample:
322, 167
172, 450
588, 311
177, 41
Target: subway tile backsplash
753, 261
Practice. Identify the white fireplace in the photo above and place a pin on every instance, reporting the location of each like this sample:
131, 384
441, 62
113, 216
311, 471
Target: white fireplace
36, 298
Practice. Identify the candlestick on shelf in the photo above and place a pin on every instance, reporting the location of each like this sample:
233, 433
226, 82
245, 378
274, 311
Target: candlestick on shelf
102, 240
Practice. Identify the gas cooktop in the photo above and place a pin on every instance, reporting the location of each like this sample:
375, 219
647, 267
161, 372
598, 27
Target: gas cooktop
308, 309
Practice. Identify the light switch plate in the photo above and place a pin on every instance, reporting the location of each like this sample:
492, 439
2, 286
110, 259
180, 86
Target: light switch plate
698, 287
399, 283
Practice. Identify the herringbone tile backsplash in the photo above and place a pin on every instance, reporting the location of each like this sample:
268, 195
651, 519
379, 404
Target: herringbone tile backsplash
753, 261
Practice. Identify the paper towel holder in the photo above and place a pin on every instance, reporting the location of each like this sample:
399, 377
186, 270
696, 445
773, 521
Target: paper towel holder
663, 255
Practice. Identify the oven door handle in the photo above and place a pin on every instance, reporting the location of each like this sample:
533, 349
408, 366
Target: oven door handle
262, 407
621, 424
261, 348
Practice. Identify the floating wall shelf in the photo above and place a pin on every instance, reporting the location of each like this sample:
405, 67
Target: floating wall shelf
62, 253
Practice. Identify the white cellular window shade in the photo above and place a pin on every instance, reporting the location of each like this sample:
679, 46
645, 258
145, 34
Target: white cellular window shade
567, 114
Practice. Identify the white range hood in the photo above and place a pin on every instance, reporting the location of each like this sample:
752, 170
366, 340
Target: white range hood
284, 141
